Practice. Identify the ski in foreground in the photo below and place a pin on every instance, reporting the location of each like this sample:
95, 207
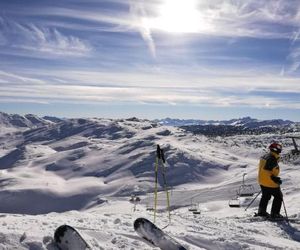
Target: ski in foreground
155, 236
68, 238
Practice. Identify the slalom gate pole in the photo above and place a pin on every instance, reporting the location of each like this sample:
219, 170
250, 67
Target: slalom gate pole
252, 200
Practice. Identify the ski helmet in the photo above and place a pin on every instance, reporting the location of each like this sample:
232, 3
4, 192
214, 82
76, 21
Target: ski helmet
275, 147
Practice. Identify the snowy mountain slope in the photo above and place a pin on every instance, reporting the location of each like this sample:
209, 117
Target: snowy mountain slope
109, 150
83, 171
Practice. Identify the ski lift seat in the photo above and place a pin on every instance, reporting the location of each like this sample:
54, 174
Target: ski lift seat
235, 202
193, 208
246, 190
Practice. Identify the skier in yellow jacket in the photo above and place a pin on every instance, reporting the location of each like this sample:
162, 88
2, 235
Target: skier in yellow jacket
270, 182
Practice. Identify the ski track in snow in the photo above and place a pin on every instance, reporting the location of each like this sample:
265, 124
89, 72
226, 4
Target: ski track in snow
83, 176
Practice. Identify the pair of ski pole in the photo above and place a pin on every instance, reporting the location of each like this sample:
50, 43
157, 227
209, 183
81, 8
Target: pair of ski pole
283, 203
160, 162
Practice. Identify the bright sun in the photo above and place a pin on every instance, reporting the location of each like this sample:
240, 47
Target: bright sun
179, 16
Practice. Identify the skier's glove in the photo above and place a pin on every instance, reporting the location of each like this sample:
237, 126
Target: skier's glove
276, 179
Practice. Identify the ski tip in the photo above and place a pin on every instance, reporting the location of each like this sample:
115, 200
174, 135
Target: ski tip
139, 221
59, 232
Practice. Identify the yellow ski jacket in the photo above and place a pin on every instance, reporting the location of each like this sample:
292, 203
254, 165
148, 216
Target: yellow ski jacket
268, 166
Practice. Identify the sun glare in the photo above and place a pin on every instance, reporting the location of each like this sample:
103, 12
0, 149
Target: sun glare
180, 16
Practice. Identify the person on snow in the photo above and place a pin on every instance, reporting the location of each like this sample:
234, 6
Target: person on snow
269, 181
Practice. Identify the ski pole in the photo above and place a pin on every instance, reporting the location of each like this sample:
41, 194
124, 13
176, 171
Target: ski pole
165, 186
155, 188
159, 156
283, 203
285, 210
160, 160
252, 200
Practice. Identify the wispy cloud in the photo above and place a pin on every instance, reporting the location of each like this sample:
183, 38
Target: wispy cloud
41, 40
292, 63
139, 15
11, 78
218, 18
136, 95
294, 58
162, 88
251, 18
240, 18
295, 37
133, 20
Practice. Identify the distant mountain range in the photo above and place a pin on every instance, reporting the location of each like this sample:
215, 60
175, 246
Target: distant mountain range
245, 125
244, 122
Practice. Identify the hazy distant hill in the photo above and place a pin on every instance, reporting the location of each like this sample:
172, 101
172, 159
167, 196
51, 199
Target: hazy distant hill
246, 125
247, 122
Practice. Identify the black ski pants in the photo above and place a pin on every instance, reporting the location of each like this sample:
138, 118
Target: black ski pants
267, 193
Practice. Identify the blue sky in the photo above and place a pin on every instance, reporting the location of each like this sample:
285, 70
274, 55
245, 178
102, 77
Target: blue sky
201, 59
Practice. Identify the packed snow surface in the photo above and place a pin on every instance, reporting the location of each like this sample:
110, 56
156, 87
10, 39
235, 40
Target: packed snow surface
86, 172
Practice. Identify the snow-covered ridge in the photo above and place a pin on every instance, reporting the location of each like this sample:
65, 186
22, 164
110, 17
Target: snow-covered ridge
19, 121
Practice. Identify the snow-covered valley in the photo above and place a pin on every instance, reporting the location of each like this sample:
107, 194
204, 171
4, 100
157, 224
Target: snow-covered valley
83, 172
